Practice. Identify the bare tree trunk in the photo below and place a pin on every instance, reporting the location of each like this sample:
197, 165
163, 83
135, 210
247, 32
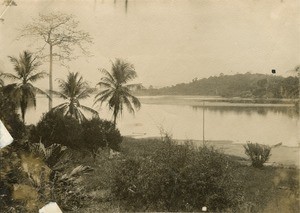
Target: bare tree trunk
50, 79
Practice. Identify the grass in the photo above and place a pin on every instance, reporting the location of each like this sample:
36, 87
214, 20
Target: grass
270, 189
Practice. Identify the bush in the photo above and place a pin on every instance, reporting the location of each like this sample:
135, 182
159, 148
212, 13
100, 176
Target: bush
31, 179
55, 128
177, 178
10, 118
258, 153
99, 133
90, 135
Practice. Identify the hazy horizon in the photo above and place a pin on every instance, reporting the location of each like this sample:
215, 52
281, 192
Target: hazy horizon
169, 42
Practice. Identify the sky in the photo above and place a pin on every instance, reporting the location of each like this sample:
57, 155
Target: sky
168, 41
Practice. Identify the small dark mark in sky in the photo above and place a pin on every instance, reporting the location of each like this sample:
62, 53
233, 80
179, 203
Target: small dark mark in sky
274, 71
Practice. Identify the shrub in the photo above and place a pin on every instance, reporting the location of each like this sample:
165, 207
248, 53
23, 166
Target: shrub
10, 118
67, 188
31, 179
55, 128
258, 153
99, 133
177, 178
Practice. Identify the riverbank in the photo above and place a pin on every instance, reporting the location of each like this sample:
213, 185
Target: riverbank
282, 156
270, 189
215, 101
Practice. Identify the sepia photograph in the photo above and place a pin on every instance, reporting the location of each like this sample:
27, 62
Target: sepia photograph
149, 106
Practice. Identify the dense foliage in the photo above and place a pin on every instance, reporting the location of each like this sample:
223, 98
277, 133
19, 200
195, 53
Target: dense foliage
54, 127
23, 92
117, 91
89, 135
177, 178
73, 90
10, 118
99, 133
30, 179
257, 153
240, 85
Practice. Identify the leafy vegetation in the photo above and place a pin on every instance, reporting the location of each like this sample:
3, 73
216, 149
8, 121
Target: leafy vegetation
178, 178
117, 90
49, 162
10, 118
73, 90
240, 85
23, 92
99, 133
270, 189
29, 181
90, 135
258, 153
54, 127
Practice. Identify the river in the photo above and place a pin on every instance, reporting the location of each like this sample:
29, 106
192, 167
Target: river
182, 117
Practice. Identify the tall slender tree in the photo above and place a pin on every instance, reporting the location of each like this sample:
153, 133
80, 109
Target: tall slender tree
117, 92
23, 92
73, 90
58, 32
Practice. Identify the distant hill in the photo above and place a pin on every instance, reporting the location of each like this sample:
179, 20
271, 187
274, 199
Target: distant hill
239, 85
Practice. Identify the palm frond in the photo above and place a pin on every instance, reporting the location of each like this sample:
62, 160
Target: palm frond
85, 93
79, 115
135, 101
107, 74
37, 76
89, 109
61, 95
103, 97
117, 92
10, 76
128, 104
106, 85
102, 93
61, 108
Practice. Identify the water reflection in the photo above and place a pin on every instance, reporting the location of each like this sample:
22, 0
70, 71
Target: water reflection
291, 112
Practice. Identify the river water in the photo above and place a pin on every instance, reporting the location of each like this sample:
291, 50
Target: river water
181, 117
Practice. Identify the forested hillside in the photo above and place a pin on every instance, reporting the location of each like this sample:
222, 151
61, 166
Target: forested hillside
239, 85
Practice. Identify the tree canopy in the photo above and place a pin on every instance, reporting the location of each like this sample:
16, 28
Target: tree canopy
73, 90
240, 85
59, 32
23, 92
117, 91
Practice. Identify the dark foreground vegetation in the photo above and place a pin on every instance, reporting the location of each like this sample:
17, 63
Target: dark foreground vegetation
85, 165
239, 85
147, 175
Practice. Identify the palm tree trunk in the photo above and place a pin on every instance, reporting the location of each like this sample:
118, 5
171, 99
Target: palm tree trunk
115, 116
115, 120
50, 79
23, 106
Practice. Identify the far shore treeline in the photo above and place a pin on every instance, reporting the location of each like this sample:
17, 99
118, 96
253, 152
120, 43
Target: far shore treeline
239, 85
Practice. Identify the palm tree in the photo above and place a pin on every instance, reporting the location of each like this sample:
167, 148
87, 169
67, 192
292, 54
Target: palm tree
23, 92
117, 92
73, 90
